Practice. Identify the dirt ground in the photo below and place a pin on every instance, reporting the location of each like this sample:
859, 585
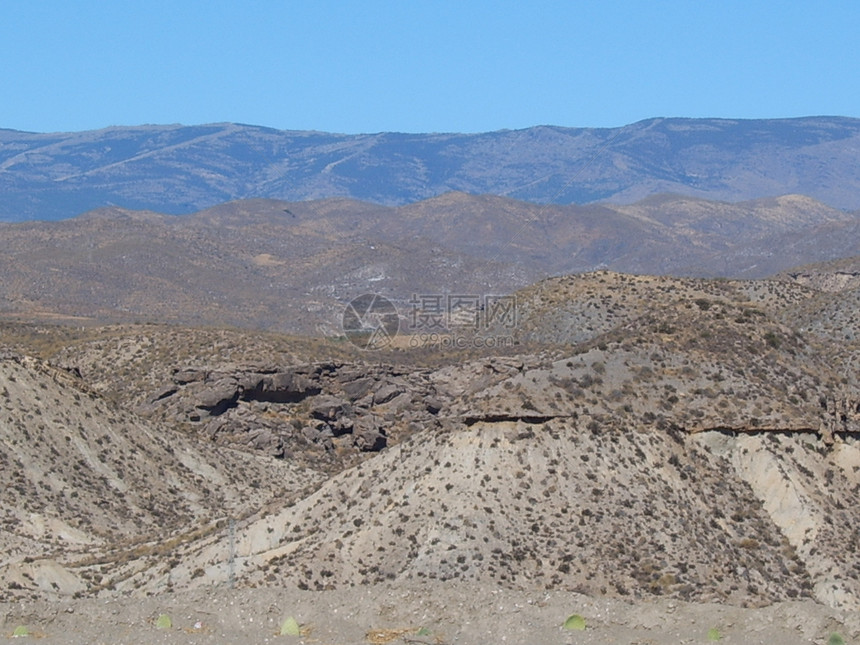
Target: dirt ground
429, 614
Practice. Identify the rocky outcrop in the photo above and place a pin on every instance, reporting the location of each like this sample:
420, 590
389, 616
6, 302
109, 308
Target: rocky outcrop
330, 411
844, 412
832, 282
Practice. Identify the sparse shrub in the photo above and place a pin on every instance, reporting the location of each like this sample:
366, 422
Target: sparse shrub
772, 340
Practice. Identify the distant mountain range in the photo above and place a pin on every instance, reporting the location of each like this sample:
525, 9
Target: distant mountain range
182, 169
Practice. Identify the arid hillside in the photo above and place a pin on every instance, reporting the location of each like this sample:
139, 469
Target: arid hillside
641, 438
292, 267
82, 477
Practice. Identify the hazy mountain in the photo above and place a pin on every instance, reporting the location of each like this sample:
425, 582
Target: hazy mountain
293, 266
182, 169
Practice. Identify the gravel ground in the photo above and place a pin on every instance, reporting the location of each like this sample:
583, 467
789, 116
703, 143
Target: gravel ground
431, 614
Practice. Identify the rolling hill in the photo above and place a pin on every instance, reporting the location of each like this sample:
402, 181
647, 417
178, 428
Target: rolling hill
293, 266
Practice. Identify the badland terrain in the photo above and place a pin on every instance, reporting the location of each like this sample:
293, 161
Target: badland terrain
658, 432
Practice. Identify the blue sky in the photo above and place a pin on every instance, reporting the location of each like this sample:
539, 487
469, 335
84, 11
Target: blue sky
414, 66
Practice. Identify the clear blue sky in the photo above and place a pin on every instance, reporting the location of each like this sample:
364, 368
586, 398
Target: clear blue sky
415, 66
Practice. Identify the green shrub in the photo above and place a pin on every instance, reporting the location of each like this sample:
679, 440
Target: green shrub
575, 623
290, 627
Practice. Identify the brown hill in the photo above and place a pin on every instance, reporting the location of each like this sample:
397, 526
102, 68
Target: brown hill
293, 266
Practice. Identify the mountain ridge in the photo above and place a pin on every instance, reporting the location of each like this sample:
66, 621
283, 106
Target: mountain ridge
181, 169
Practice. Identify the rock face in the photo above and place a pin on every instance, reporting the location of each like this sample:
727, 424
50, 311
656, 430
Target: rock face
802, 483
319, 413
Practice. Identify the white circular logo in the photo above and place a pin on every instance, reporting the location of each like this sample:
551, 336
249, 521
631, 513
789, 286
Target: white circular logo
370, 321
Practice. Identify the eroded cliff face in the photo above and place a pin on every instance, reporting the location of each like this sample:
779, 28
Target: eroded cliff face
85, 481
805, 486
